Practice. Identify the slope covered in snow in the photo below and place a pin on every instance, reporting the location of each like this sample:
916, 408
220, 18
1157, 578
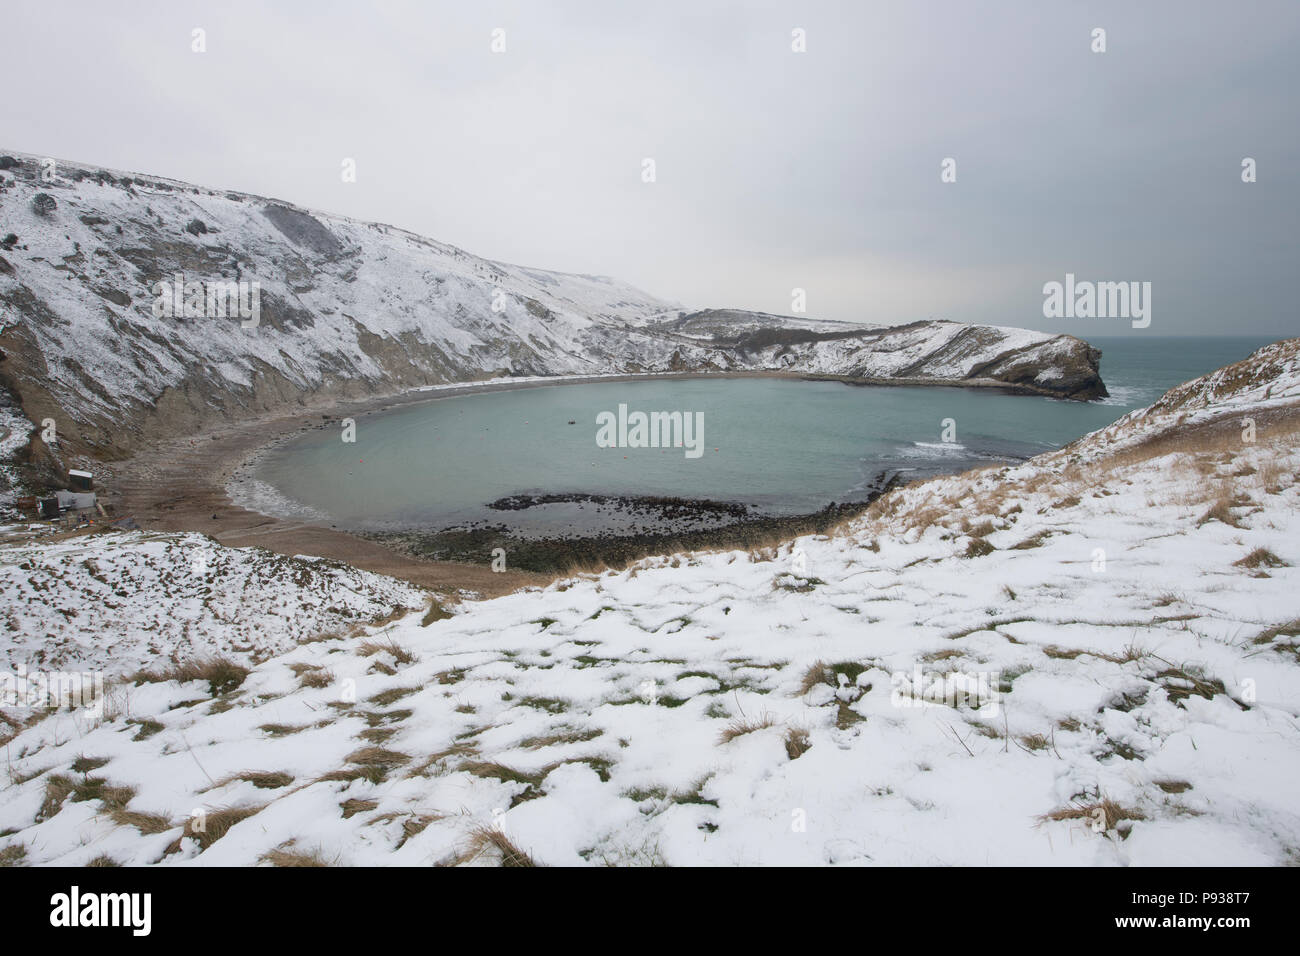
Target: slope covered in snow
1090, 658
118, 601
348, 308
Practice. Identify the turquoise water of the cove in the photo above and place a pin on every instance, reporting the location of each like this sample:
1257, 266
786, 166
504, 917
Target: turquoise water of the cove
781, 446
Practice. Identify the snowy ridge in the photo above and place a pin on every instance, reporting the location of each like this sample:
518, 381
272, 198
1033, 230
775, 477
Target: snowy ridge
350, 307
1267, 379
1135, 613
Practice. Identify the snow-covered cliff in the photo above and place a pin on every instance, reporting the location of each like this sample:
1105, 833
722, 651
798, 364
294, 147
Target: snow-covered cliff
349, 308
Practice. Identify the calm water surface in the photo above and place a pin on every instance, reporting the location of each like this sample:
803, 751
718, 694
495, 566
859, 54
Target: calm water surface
781, 446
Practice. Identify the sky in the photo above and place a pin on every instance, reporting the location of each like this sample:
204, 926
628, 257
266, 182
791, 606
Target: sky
774, 170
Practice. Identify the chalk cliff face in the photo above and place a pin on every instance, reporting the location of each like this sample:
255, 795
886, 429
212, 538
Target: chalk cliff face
347, 308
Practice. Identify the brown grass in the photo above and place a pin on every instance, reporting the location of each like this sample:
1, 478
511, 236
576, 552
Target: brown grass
262, 779
797, 742
741, 726
353, 806
558, 737
1180, 683
1269, 635
146, 823
492, 770
1034, 741
282, 730
436, 612
216, 824
819, 672
284, 856
59, 789
222, 674
399, 653
1221, 511
13, 855
389, 697
1260, 558
485, 839
378, 757
1112, 811
311, 676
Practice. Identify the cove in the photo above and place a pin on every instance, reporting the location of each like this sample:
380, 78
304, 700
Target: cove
772, 447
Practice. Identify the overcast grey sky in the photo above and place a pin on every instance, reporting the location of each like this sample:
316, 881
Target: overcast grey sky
775, 169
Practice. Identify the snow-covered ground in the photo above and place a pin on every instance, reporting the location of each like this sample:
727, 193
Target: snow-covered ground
118, 601
1126, 613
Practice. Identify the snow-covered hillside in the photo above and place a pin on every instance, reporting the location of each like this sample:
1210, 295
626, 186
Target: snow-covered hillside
1124, 609
118, 601
350, 307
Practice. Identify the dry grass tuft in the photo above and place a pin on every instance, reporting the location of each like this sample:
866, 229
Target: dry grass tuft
1105, 809
563, 735
222, 674
389, 697
1220, 511
1260, 558
378, 757
390, 646
436, 612
59, 788
147, 823
282, 730
309, 676
13, 855
1034, 741
353, 806
84, 764
208, 828
741, 726
485, 839
822, 673
797, 742
263, 779
284, 856
1180, 683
